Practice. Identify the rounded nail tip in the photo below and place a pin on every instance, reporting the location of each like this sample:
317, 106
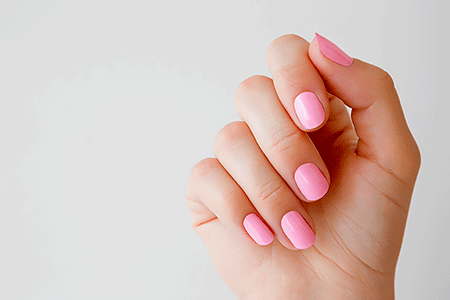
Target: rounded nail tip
266, 242
311, 126
317, 196
263, 240
307, 244
344, 60
348, 62
266, 238
304, 238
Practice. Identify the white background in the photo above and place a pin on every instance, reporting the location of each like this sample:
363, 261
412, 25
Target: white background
105, 106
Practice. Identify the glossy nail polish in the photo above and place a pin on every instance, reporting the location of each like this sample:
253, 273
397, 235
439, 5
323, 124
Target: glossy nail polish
257, 230
333, 52
311, 181
297, 230
309, 110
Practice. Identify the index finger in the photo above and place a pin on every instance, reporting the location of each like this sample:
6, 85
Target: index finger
297, 82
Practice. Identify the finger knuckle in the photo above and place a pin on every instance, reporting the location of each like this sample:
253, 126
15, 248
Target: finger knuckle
413, 159
270, 192
203, 168
230, 135
283, 41
195, 206
384, 78
201, 172
248, 88
285, 46
417, 157
283, 139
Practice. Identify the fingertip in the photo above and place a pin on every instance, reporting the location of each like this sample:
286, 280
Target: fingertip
285, 45
297, 82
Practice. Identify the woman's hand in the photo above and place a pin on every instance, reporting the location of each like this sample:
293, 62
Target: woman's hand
300, 169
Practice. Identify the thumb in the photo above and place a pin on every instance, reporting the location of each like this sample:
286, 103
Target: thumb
384, 136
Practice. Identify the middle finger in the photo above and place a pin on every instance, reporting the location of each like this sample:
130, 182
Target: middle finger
289, 150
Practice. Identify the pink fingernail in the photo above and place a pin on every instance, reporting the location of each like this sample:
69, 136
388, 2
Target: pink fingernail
257, 230
297, 230
333, 52
311, 181
309, 110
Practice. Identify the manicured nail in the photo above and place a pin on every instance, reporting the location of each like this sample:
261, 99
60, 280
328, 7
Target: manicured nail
333, 52
309, 110
257, 230
311, 181
297, 230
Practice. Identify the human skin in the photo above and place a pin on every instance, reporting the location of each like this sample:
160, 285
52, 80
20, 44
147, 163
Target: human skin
369, 159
